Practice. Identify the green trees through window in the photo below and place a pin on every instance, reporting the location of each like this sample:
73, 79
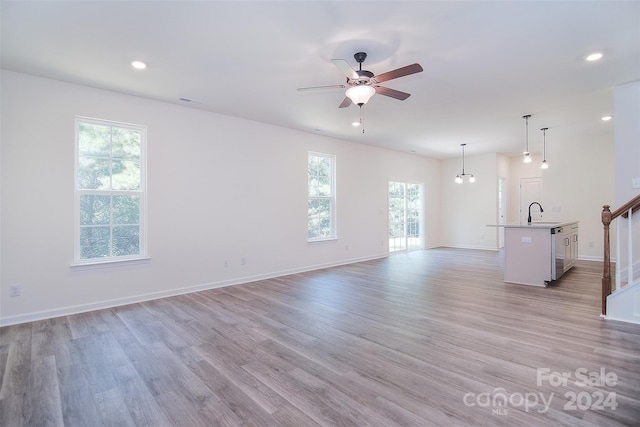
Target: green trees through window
109, 190
321, 194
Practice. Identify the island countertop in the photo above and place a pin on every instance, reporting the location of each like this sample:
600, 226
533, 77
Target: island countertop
535, 224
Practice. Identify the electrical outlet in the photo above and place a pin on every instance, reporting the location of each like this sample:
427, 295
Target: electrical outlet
635, 183
243, 261
15, 290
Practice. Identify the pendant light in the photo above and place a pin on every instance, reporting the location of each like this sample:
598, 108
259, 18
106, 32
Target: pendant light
527, 155
460, 177
544, 165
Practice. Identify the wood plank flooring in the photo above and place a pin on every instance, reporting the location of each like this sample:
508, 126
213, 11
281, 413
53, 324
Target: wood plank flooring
427, 338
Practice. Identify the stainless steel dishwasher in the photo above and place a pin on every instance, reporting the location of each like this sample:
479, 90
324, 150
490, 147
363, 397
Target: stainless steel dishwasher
558, 243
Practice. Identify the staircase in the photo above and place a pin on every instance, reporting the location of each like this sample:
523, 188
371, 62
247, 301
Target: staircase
623, 301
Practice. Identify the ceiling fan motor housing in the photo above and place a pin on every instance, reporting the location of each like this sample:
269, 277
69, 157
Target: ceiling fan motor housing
364, 78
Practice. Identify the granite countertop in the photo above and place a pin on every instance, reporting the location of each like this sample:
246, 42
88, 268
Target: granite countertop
535, 224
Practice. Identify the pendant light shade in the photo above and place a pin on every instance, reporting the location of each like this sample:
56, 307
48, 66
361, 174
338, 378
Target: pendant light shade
527, 155
460, 177
544, 165
360, 94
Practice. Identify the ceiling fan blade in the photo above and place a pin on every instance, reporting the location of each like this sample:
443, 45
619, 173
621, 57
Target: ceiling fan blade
345, 68
345, 102
392, 93
322, 87
399, 72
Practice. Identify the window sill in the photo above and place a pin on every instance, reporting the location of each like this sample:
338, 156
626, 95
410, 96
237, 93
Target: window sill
328, 239
110, 263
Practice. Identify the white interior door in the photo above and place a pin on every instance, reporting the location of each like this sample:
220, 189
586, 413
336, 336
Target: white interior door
502, 210
530, 191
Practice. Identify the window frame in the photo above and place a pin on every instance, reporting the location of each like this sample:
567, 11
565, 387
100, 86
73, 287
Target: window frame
142, 255
332, 198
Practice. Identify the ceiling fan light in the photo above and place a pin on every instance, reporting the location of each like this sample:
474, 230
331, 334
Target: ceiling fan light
360, 94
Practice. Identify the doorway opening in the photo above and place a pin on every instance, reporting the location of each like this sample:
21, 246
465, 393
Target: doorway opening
502, 210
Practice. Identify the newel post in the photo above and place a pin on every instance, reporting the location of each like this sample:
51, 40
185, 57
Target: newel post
606, 275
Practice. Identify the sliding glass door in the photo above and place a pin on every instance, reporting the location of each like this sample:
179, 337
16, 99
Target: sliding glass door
405, 216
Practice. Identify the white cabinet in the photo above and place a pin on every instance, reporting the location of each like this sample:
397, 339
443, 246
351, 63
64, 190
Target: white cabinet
571, 253
565, 252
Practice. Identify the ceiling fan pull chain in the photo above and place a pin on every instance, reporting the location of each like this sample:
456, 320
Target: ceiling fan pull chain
362, 118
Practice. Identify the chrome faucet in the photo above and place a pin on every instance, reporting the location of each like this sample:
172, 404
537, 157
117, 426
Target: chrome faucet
529, 217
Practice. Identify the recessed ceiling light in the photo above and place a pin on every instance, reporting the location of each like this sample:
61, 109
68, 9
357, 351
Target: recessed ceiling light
607, 118
138, 65
593, 56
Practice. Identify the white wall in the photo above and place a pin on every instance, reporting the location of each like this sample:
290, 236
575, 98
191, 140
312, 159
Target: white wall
467, 208
219, 188
627, 141
627, 158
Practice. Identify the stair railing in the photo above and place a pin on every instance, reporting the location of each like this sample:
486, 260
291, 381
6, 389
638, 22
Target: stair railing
626, 211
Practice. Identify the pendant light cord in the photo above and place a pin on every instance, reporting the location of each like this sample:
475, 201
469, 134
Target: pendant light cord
526, 132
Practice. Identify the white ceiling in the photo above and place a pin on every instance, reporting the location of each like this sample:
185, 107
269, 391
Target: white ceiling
486, 64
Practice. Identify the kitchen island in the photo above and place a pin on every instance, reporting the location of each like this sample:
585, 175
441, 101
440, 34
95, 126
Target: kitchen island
539, 253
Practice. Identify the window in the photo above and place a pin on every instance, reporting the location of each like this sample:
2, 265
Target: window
109, 190
321, 205
405, 212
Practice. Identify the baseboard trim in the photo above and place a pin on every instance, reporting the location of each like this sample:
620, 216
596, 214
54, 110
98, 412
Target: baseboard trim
117, 302
592, 258
480, 248
635, 322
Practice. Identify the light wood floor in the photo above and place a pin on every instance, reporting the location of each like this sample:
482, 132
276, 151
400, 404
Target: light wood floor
426, 338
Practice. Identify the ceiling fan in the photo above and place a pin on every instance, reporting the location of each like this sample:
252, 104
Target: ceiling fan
361, 84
